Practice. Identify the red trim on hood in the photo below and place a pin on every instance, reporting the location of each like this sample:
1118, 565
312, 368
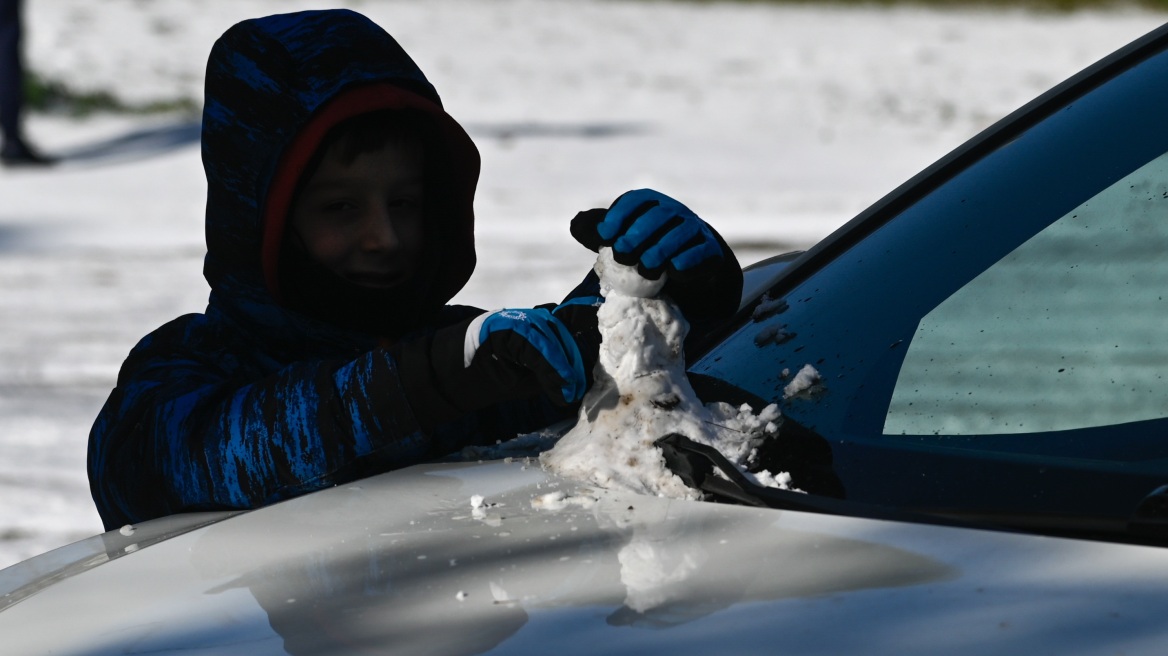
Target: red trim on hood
345, 105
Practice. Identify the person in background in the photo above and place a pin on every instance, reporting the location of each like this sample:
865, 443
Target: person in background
14, 149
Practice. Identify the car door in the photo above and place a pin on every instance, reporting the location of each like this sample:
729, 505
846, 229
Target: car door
991, 340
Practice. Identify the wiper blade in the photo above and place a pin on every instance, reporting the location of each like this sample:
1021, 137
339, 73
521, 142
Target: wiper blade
695, 464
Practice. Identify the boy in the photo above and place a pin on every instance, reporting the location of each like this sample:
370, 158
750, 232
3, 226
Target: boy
339, 223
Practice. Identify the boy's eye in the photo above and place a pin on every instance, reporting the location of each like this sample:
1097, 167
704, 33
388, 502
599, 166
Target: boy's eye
403, 202
339, 206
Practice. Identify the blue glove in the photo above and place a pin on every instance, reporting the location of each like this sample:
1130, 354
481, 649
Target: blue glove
522, 349
657, 234
496, 357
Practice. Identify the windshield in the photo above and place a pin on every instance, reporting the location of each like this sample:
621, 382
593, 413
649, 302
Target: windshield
1064, 332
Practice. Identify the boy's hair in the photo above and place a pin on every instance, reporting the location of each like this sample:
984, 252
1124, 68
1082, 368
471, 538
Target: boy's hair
373, 131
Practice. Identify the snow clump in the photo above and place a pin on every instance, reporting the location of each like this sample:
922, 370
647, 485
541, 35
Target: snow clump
805, 380
641, 393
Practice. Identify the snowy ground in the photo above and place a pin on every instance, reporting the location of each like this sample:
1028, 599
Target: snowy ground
775, 123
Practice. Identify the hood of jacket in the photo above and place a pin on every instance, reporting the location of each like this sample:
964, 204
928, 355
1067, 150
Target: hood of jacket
274, 88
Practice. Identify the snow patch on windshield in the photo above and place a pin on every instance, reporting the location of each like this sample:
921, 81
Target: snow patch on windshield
641, 393
805, 381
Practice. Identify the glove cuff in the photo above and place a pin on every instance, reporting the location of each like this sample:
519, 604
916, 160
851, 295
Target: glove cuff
426, 364
472, 338
444, 385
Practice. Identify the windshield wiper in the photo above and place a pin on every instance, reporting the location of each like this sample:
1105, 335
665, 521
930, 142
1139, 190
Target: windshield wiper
702, 467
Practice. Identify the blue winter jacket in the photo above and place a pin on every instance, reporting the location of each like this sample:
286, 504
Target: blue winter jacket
251, 402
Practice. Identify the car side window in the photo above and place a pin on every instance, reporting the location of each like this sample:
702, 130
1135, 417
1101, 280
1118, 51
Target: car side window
1066, 331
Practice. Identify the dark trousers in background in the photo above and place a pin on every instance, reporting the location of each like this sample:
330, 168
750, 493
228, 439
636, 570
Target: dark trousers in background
11, 72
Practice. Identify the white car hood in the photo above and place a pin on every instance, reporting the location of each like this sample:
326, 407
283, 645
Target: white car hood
402, 564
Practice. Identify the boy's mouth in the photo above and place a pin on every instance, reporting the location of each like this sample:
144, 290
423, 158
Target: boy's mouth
376, 280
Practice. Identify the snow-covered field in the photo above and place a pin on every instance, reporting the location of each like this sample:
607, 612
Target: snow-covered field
776, 123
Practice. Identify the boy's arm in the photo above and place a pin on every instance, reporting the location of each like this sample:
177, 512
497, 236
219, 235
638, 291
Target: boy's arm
179, 436
183, 434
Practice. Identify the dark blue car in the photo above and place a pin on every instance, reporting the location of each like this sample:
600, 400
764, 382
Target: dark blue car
992, 337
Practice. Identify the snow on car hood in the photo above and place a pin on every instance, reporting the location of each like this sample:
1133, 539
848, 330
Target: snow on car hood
641, 393
468, 558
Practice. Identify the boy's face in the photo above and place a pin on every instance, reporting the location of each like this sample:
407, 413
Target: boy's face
363, 220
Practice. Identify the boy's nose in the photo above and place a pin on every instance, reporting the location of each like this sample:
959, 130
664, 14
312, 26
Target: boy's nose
378, 232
